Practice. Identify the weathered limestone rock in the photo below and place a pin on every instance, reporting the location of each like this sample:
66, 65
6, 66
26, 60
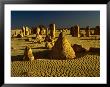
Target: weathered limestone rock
26, 31
42, 31
28, 55
52, 30
39, 38
97, 30
38, 31
87, 31
74, 31
62, 49
20, 32
30, 31
23, 30
15, 33
19, 35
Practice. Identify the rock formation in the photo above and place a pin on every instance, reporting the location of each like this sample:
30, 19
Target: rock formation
46, 31
42, 31
39, 38
62, 49
87, 30
26, 31
37, 31
23, 30
52, 30
28, 55
74, 31
20, 35
97, 30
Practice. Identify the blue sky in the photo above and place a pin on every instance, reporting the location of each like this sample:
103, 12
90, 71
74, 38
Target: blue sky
60, 18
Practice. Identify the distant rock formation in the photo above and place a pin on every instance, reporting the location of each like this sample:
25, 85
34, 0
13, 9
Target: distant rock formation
87, 30
26, 31
37, 31
23, 30
19, 35
48, 38
62, 49
14, 34
97, 30
52, 30
28, 55
39, 38
46, 31
75, 31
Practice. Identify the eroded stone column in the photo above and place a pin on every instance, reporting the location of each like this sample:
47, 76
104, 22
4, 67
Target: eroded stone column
26, 31
23, 30
52, 30
87, 31
75, 31
37, 31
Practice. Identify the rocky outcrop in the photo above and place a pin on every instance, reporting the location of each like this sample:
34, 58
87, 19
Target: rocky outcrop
62, 49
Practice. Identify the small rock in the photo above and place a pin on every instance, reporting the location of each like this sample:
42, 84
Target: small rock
28, 54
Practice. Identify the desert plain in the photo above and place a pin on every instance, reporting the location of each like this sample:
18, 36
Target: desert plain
85, 64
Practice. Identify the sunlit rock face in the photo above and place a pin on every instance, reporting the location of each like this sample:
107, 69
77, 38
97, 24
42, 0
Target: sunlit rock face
28, 55
62, 48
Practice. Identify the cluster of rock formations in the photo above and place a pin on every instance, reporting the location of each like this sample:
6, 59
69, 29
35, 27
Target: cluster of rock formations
61, 48
76, 31
25, 31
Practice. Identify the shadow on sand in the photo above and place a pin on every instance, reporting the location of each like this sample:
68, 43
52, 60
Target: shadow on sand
82, 54
45, 55
42, 54
36, 48
91, 51
17, 58
39, 48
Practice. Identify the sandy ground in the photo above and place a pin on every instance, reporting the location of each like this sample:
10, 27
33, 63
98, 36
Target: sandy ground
85, 64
